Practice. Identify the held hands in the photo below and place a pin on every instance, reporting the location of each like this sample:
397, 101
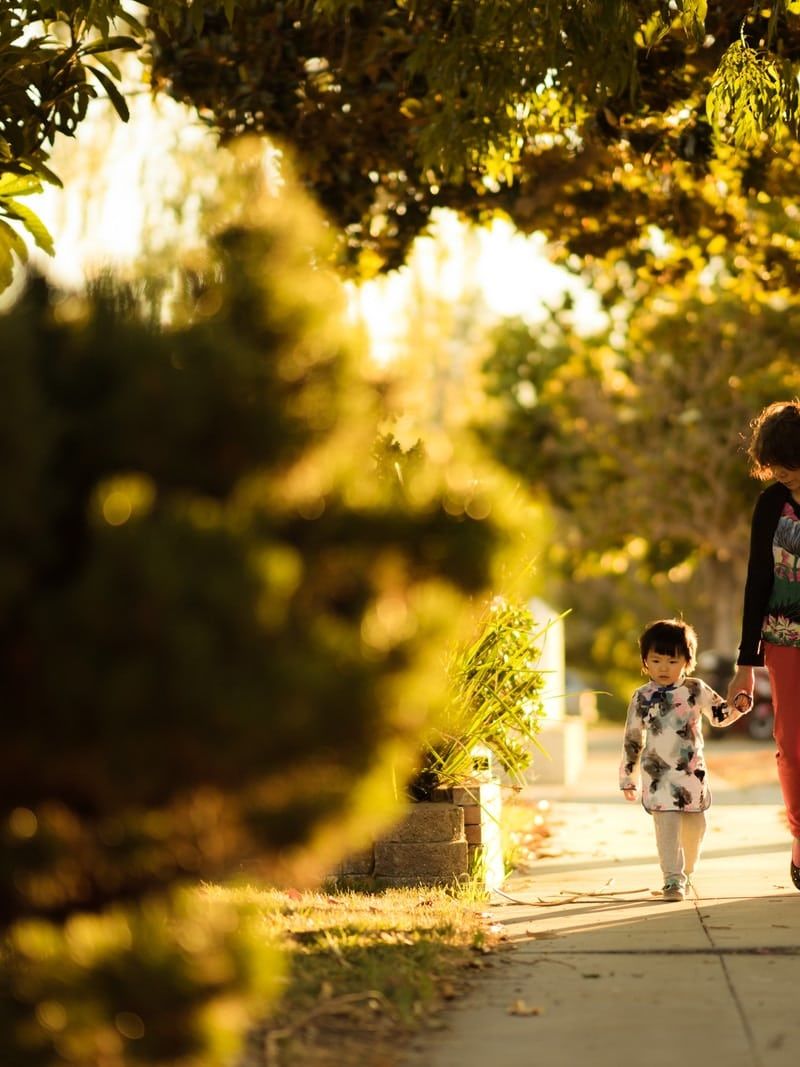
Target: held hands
743, 702
741, 686
630, 792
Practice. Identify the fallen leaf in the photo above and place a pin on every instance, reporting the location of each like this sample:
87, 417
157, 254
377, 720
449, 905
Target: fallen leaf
519, 1007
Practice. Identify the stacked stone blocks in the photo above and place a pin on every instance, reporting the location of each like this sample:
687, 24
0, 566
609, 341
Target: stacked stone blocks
449, 839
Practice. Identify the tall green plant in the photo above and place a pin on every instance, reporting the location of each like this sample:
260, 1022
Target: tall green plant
496, 701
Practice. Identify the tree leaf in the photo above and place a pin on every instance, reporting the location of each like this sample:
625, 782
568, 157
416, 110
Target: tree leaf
109, 64
114, 95
32, 223
197, 15
14, 241
112, 44
132, 21
18, 184
9, 243
41, 170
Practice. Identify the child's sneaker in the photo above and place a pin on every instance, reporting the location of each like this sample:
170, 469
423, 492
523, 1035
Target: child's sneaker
672, 892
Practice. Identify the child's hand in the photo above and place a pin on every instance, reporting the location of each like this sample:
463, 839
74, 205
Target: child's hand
743, 701
630, 792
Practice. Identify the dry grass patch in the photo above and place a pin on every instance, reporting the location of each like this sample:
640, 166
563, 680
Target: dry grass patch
363, 971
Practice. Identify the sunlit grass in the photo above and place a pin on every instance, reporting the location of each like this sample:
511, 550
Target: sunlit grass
362, 970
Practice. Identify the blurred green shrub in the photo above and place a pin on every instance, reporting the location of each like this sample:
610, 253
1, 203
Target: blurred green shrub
220, 632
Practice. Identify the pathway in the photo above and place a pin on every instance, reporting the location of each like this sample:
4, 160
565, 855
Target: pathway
604, 973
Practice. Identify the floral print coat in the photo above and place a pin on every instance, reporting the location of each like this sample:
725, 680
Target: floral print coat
664, 737
782, 622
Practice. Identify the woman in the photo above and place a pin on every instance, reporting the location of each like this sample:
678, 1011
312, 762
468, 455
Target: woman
771, 615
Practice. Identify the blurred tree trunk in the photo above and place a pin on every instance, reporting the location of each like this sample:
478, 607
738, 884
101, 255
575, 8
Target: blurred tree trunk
727, 586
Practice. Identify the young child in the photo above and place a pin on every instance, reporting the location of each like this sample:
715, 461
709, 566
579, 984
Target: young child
663, 735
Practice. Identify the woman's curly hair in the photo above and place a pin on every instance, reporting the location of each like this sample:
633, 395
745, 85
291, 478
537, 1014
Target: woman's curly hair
775, 439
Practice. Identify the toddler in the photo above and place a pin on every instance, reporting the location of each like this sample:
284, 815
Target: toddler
664, 736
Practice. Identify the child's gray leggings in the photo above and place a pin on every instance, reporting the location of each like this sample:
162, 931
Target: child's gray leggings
679, 835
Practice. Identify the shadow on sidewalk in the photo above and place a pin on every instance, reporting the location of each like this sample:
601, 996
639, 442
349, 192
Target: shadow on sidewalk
525, 871
709, 980
754, 925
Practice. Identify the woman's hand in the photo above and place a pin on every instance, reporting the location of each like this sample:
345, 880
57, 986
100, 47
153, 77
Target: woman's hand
742, 683
630, 792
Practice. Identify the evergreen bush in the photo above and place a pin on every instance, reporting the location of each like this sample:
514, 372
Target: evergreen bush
220, 635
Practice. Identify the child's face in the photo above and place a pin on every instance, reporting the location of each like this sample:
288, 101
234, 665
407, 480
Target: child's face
665, 669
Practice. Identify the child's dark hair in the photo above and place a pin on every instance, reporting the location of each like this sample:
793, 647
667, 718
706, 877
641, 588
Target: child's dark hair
670, 637
775, 438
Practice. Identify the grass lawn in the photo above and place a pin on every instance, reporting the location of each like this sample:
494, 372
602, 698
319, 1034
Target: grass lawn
363, 971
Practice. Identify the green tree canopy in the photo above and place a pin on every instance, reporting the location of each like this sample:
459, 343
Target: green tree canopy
635, 435
56, 57
589, 121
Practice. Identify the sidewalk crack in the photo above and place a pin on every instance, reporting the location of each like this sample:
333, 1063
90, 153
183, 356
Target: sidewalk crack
722, 953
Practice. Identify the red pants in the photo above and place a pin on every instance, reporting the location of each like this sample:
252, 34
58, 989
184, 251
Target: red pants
783, 664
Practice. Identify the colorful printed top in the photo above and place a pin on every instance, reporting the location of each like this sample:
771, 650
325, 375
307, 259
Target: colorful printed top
772, 592
664, 733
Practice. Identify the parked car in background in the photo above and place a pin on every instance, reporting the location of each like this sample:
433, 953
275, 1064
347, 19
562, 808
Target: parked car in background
717, 669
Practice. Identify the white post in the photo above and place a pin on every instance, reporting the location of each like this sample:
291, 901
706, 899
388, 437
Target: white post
562, 736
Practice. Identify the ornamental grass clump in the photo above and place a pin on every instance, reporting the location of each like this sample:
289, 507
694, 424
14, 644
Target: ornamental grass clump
496, 703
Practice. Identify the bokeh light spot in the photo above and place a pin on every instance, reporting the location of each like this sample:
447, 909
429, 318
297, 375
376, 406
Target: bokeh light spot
23, 823
117, 508
129, 1025
51, 1015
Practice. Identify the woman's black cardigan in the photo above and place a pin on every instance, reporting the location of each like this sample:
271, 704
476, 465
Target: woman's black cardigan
760, 572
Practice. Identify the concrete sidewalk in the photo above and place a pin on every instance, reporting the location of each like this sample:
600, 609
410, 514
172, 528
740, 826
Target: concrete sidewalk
603, 973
